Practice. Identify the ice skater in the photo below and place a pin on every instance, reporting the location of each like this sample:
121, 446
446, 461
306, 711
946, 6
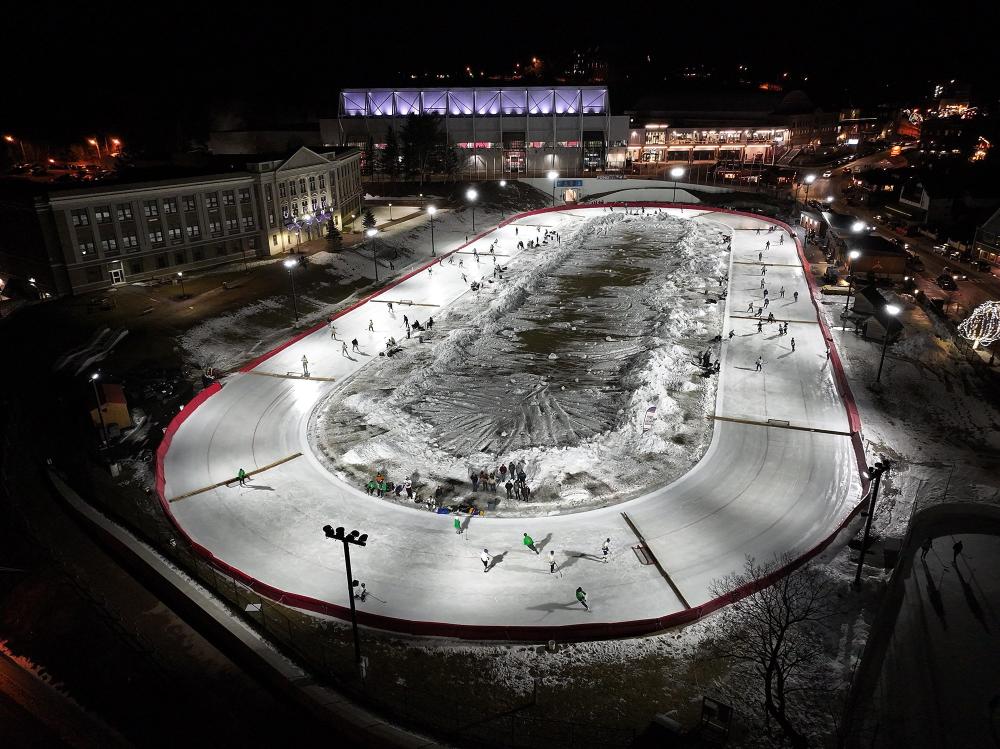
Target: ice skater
552, 562
763, 270
732, 333
766, 302
760, 326
458, 525
390, 306
760, 256
406, 321
760, 363
606, 549
333, 330
581, 596
242, 476
762, 282
354, 345
750, 306
781, 239
305, 366
371, 326
781, 292
767, 245
343, 348
792, 341
530, 543
486, 559
795, 296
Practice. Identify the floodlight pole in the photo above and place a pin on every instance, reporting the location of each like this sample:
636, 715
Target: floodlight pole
359, 540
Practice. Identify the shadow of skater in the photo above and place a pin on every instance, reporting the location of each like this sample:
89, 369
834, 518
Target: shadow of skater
971, 600
496, 560
465, 524
934, 595
540, 545
584, 555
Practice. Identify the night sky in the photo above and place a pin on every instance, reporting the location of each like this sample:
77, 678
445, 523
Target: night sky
149, 74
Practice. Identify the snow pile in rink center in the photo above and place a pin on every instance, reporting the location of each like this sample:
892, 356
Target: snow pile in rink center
556, 365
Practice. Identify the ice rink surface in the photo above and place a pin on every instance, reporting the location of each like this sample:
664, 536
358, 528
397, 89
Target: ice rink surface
768, 484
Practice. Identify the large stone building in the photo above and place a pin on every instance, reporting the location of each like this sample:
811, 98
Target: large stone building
86, 238
498, 131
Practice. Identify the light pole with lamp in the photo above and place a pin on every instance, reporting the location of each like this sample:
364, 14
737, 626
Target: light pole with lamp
371, 233
471, 196
553, 175
851, 257
431, 210
875, 472
180, 275
95, 144
675, 174
390, 211
808, 180
11, 139
503, 184
290, 266
358, 539
100, 414
891, 310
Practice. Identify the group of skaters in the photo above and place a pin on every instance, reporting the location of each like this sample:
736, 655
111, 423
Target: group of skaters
758, 310
529, 543
381, 486
511, 476
543, 239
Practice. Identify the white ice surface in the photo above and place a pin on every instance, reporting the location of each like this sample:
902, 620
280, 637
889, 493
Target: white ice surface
759, 490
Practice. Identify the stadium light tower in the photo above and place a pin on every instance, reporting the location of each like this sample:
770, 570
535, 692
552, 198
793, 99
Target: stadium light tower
553, 175
290, 266
357, 539
851, 257
471, 196
371, 234
675, 174
431, 210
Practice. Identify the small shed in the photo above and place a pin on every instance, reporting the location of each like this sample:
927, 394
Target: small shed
882, 325
114, 408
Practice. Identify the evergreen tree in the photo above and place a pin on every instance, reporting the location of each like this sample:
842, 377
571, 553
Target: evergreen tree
369, 219
390, 155
420, 137
333, 237
368, 158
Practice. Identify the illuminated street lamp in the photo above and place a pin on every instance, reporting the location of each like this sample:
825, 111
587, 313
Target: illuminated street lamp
95, 144
503, 184
891, 310
851, 257
431, 210
675, 174
100, 414
180, 275
118, 146
829, 199
370, 233
357, 539
808, 179
553, 175
471, 196
12, 139
858, 226
290, 266
390, 211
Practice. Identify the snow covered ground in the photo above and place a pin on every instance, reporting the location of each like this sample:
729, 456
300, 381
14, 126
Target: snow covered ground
778, 476
555, 365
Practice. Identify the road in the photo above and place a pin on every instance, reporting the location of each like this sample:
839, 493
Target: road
779, 477
979, 286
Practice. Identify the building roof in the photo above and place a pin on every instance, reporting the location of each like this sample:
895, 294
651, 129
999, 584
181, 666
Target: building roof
873, 244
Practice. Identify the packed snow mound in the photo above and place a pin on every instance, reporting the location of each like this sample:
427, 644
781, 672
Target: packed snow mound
556, 365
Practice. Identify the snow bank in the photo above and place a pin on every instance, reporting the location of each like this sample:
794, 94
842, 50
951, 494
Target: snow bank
555, 365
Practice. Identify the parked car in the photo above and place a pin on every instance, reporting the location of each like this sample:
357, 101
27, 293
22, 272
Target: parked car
827, 174
941, 249
955, 273
946, 282
914, 262
982, 265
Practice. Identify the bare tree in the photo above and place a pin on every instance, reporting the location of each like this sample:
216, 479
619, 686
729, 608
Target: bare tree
774, 638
